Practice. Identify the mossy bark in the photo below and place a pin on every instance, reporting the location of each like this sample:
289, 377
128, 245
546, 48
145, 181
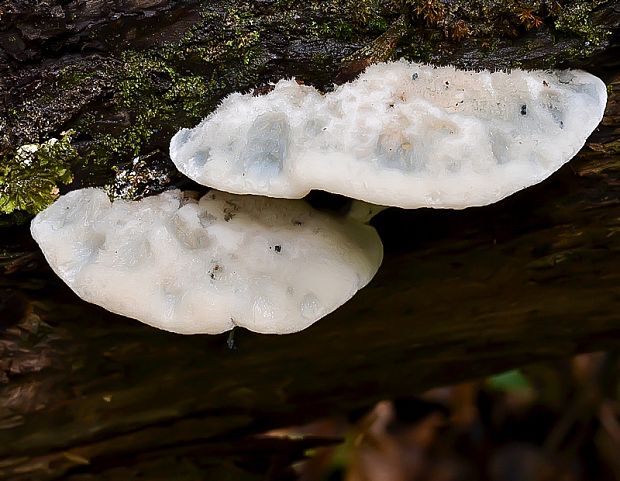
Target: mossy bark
89, 395
126, 75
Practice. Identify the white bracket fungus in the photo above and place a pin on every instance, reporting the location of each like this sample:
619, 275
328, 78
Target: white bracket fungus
402, 134
204, 266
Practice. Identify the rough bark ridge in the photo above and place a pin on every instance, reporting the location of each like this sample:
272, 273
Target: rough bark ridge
89, 395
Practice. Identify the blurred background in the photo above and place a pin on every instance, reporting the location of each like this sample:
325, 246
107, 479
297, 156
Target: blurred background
546, 422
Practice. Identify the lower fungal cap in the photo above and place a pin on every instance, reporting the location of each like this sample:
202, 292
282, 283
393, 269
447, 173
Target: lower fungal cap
204, 266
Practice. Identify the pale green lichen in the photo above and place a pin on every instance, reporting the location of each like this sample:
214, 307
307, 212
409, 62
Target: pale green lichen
29, 178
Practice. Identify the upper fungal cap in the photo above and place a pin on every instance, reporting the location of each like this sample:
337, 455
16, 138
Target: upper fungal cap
204, 266
401, 134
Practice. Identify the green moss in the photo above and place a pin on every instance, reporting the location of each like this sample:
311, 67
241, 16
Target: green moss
319, 29
159, 90
576, 18
177, 84
73, 75
29, 177
487, 25
344, 19
241, 23
378, 24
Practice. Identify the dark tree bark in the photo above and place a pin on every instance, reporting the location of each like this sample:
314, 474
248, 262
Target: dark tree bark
89, 395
